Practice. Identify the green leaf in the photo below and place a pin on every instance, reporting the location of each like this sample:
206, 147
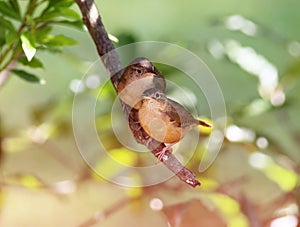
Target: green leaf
51, 3
34, 63
53, 14
48, 16
52, 49
69, 13
28, 46
58, 4
59, 40
27, 76
11, 37
2, 36
7, 24
42, 34
63, 3
77, 24
8, 10
9, 32
15, 5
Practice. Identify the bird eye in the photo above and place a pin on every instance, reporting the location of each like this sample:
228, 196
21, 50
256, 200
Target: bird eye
157, 95
139, 71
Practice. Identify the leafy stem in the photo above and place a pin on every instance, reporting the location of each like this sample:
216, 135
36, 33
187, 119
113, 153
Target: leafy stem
32, 31
30, 9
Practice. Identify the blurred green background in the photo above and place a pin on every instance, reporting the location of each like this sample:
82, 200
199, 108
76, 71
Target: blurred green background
252, 48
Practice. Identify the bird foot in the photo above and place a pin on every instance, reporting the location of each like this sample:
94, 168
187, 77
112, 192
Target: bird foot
160, 155
135, 124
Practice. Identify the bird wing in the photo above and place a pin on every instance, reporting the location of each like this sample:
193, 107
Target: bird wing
179, 115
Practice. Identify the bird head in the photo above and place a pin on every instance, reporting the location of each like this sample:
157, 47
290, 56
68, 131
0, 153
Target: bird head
153, 93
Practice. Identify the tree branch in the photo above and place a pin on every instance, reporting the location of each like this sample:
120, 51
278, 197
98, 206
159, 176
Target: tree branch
112, 63
105, 48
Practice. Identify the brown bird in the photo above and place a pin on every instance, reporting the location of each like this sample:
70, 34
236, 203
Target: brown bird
139, 76
164, 119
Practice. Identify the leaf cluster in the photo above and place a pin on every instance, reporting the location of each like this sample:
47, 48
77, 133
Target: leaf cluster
25, 29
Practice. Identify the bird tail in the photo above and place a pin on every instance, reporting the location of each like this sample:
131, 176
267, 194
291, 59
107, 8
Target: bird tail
204, 124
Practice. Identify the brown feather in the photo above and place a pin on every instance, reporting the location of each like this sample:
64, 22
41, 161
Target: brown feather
164, 119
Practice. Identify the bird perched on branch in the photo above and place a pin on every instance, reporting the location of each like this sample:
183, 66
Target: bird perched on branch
164, 119
139, 76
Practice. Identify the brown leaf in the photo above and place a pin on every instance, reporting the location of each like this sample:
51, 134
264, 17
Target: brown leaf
192, 213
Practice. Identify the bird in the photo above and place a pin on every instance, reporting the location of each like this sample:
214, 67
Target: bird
139, 76
164, 119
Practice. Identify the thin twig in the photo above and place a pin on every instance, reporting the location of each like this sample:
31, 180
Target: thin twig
5, 73
112, 63
102, 215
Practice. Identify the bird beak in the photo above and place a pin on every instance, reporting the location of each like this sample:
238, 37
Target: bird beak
150, 74
146, 97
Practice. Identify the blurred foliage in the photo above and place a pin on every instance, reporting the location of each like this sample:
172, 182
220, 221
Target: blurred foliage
253, 182
23, 33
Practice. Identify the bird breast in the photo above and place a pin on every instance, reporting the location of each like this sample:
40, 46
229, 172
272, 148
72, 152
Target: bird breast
131, 93
157, 124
